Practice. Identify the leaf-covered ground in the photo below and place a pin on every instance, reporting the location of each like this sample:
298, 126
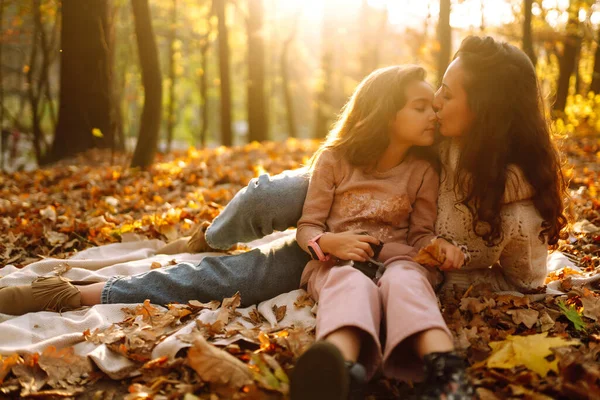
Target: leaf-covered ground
534, 347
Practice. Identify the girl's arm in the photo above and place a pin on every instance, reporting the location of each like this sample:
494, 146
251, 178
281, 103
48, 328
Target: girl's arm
421, 229
317, 206
319, 199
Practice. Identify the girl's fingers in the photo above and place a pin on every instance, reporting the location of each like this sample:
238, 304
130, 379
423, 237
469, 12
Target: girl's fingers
366, 248
355, 257
447, 264
368, 239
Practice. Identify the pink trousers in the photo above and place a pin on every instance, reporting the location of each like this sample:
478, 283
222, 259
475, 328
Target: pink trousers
403, 299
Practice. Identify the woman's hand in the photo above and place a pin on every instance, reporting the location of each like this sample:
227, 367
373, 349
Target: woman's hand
455, 258
351, 245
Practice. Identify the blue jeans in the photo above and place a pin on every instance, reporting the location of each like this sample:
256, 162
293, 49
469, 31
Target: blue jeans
265, 205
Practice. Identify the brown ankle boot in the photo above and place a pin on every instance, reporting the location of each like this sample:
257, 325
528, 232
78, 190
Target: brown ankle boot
197, 243
52, 293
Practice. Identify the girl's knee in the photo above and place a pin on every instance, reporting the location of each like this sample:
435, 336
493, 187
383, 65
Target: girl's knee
403, 273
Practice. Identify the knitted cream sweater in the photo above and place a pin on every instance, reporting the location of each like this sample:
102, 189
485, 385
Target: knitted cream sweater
521, 254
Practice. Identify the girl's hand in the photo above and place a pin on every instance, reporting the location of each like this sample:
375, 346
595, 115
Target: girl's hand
351, 245
454, 256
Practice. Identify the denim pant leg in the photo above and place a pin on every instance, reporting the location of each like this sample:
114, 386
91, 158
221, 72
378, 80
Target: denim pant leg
258, 275
268, 203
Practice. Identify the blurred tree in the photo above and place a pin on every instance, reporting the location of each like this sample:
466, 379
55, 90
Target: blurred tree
171, 117
285, 66
116, 89
567, 61
147, 142
258, 127
323, 111
444, 38
224, 74
204, 43
1, 75
84, 116
527, 37
595, 85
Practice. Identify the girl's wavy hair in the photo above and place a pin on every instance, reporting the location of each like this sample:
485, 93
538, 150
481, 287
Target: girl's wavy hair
362, 131
509, 128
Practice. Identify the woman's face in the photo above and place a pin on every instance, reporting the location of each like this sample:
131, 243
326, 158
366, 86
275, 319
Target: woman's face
454, 115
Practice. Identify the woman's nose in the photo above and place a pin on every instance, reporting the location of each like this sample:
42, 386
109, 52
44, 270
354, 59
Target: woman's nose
437, 103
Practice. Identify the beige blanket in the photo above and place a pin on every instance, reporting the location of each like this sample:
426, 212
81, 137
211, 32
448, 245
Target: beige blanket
36, 331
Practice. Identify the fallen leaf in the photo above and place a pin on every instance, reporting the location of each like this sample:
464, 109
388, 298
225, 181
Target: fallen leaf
7, 364
62, 268
525, 316
546, 322
211, 305
279, 312
304, 300
530, 351
65, 369
572, 315
476, 304
430, 256
591, 305
155, 265
49, 213
217, 366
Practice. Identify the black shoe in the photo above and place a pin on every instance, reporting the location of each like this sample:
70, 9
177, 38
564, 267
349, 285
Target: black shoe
445, 378
322, 374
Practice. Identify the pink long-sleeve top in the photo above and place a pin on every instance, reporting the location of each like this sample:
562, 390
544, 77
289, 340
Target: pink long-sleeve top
398, 206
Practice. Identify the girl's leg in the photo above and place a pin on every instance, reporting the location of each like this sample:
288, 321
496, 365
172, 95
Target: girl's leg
413, 319
348, 340
348, 322
258, 275
266, 204
349, 313
417, 334
91, 294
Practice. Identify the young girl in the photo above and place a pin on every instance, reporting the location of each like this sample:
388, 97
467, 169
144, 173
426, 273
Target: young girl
371, 176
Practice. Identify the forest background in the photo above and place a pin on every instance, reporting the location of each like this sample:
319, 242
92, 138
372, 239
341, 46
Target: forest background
143, 76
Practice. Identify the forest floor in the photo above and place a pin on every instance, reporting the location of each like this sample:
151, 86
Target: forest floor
535, 347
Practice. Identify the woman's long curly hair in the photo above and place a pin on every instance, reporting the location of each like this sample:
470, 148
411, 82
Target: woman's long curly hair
362, 131
509, 128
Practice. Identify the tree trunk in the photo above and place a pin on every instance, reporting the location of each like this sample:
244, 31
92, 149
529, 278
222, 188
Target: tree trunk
527, 36
324, 113
171, 107
226, 129
145, 148
1, 78
444, 37
258, 127
85, 79
567, 61
203, 86
595, 85
117, 85
285, 67
34, 99
482, 22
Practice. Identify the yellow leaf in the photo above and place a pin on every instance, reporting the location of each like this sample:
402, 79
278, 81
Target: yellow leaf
530, 351
97, 132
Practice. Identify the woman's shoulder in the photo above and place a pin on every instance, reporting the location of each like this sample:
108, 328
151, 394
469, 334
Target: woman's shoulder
517, 187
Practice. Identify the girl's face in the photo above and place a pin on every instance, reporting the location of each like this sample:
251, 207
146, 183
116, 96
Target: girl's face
455, 118
414, 124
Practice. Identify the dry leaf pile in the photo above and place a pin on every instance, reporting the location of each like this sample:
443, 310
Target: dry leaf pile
88, 202
532, 347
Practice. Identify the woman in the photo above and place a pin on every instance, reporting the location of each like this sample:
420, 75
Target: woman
501, 195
